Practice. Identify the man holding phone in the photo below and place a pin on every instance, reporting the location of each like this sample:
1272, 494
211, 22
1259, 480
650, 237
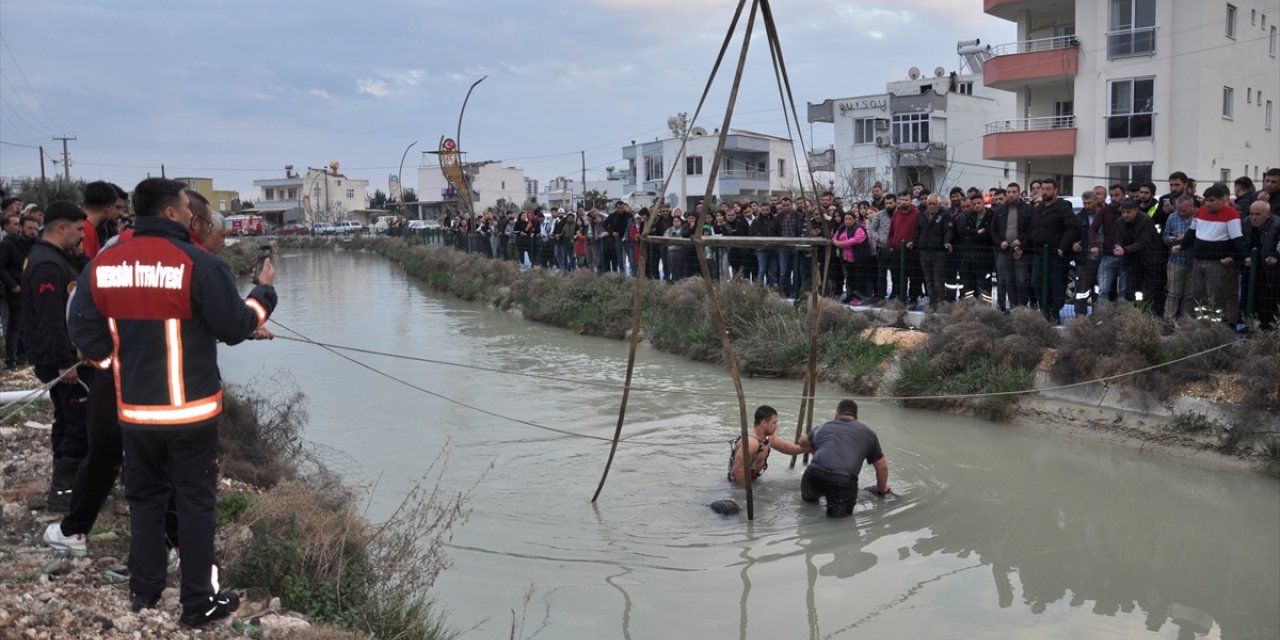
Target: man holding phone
156, 306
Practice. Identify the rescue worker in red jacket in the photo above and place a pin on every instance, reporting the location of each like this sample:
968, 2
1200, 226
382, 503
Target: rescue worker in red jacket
157, 307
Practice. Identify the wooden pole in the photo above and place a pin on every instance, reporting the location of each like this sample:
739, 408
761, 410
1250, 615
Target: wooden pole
638, 295
716, 314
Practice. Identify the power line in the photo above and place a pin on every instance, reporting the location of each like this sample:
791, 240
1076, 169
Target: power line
34, 95
15, 144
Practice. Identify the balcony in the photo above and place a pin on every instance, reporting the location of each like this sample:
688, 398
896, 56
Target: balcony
1050, 137
1140, 41
824, 160
1013, 9
744, 174
1031, 62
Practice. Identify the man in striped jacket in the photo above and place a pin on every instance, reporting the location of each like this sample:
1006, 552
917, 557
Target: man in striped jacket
157, 306
1216, 243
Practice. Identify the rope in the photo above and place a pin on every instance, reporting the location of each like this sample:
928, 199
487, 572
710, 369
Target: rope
334, 351
31, 398
718, 394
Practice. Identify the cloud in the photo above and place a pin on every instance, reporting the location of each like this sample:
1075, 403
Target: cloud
375, 88
321, 93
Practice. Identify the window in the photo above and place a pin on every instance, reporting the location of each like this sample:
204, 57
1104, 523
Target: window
1271, 47
693, 166
1231, 21
864, 131
1126, 173
1248, 96
1132, 28
1064, 114
351, 194
782, 167
222, 205
863, 180
1253, 20
911, 128
293, 194
965, 88
1228, 102
1224, 175
1267, 118
653, 167
1131, 109
267, 194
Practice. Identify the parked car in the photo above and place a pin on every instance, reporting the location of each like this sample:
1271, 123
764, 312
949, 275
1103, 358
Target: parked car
293, 229
323, 229
348, 226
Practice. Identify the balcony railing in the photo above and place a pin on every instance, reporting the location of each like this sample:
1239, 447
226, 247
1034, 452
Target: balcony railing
1130, 125
1131, 42
1031, 46
743, 174
1032, 124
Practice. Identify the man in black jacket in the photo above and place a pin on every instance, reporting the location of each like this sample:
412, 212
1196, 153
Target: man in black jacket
157, 305
934, 234
13, 255
1052, 223
1138, 243
615, 227
47, 283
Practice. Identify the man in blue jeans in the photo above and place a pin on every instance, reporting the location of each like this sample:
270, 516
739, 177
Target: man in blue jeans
839, 447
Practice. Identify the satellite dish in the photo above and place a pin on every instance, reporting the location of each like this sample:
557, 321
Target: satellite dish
698, 132
913, 73
939, 72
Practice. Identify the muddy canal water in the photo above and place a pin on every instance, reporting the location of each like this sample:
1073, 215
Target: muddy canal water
1001, 533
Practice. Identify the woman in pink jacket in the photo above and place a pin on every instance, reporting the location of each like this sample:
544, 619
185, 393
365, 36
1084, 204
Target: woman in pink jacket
846, 238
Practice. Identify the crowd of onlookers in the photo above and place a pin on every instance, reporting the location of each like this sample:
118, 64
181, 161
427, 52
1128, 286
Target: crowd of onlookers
1178, 254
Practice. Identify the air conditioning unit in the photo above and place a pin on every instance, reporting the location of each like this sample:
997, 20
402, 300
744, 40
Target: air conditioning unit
882, 141
938, 144
882, 124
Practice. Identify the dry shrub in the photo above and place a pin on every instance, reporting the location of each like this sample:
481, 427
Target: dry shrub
313, 548
1259, 368
1121, 339
975, 349
260, 433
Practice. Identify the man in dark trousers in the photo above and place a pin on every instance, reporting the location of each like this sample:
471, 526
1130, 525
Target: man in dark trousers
47, 283
1054, 225
157, 305
839, 447
13, 255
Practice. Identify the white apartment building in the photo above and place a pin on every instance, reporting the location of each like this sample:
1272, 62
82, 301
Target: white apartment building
753, 165
322, 195
490, 181
1133, 90
926, 128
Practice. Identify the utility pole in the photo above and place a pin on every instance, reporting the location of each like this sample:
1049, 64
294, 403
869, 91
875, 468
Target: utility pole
44, 185
66, 156
584, 178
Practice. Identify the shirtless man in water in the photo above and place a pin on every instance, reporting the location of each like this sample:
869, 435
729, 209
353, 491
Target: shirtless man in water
760, 440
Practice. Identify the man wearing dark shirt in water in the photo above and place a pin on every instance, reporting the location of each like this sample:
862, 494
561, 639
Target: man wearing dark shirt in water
839, 447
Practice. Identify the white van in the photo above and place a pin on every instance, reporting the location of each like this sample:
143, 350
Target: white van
348, 227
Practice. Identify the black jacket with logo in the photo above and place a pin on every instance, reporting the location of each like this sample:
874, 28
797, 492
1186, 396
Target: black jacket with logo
47, 283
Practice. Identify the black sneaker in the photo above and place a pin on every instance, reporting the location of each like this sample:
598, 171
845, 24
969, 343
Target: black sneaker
138, 602
220, 607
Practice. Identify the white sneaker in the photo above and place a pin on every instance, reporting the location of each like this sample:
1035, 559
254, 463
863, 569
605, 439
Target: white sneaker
71, 545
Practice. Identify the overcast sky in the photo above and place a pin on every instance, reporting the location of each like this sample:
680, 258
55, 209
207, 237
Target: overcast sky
236, 90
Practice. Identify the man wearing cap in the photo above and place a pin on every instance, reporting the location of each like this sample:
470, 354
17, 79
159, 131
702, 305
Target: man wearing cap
47, 283
1137, 239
